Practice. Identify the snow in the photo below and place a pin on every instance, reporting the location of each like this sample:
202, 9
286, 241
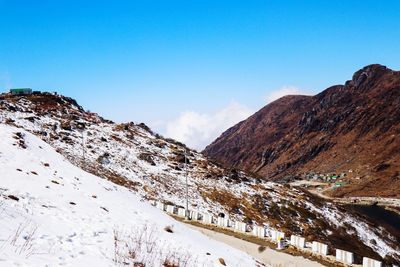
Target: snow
68, 217
162, 181
165, 180
362, 230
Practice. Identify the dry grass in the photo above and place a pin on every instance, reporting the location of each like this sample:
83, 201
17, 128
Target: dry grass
22, 240
141, 246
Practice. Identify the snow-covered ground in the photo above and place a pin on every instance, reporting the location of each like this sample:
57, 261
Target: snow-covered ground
54, 214
132, 156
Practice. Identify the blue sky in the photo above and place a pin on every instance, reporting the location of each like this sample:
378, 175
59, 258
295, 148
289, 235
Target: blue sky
180, 66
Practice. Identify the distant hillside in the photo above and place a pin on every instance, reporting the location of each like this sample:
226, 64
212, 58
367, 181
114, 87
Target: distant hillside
351, 129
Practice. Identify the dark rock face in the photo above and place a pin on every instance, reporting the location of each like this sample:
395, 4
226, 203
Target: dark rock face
353, 127
148, 158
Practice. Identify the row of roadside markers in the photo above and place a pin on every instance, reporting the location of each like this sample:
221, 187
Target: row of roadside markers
263, 232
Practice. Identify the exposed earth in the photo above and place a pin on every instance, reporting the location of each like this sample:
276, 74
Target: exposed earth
348, 134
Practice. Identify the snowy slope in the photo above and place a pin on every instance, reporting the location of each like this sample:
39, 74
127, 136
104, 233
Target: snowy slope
132, 156
67, 217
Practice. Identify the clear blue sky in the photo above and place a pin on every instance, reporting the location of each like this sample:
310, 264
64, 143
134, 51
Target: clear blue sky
152, 60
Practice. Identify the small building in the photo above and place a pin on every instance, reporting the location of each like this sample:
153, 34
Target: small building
338, 184
21, 91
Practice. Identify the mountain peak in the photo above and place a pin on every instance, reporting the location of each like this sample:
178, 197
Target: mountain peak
369, 72
340, 130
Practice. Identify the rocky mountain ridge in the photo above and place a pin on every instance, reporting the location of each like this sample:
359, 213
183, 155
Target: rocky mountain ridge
350, 130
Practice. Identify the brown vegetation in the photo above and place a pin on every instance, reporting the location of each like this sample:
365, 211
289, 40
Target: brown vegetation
353, 127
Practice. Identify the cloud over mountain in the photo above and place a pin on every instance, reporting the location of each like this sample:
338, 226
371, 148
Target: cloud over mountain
199, 129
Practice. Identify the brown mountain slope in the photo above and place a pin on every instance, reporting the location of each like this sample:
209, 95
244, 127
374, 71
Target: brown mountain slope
353, 129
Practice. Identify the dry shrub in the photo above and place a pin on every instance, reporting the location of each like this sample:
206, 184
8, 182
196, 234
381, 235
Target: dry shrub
222, 261
22, 239
141, 246
175, 258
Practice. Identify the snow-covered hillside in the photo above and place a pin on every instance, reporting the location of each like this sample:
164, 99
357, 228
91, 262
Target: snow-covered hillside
54, 214
154, 167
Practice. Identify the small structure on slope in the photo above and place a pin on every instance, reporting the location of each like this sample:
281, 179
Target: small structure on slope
20, 91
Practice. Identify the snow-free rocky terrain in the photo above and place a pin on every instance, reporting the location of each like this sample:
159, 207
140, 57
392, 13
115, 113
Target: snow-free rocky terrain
152, 168
351, 129
55, 214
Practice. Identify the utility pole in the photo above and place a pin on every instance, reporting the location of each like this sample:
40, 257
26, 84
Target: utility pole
187, 188
81, 128
83, 149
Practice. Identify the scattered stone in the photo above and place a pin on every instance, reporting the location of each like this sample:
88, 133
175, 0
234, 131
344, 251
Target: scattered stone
13, 197
261, 249
104, 159
148, 158
168, 229
66, 125
103, 208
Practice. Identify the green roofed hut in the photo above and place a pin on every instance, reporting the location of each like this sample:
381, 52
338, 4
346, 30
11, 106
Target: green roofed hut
21, 91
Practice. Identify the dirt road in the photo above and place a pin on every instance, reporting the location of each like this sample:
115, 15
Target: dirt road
268, 256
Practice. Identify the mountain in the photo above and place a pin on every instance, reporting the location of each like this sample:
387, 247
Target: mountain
55, 214
350, 130
152, 167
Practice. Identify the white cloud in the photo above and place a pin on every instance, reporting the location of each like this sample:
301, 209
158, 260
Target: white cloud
283, 91
199, 129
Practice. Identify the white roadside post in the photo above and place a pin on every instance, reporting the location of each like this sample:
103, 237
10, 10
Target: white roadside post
160, 206
320, 248
194, 215
275, 235
170, 209
344, 256
207, 218
259, 231
181, 212
227, 222
367, 262
297, 241
220, 221
240, 227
